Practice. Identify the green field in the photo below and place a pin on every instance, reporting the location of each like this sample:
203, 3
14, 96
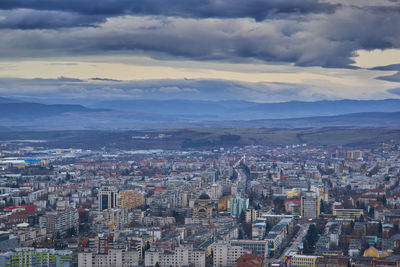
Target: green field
207, 137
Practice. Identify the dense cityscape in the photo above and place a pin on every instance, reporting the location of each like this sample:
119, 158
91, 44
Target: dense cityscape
199, 133
291, 205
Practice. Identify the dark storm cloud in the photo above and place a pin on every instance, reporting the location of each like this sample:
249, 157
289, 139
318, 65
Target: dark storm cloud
391, 78
395, 91
388, 67
105, 79
25, 19
303, 32
257, 9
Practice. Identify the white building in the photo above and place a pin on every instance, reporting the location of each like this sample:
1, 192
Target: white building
237, 205
215, 191
115, 257
181, 256
63, 220
226, 254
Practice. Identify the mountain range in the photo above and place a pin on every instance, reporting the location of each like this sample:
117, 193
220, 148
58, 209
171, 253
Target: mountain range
156, 114
250, 110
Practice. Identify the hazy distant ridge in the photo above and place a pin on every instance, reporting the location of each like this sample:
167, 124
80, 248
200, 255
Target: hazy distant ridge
157, 114
251, 110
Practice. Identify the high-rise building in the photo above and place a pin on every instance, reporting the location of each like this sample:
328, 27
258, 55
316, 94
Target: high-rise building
215, 191
236, 205
63, 220
252, 215
116, 219
130, 199
309, 207
107, 197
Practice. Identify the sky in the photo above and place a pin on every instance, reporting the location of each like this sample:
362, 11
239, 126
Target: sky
255, 50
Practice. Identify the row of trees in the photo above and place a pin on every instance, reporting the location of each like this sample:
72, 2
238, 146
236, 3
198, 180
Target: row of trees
310, 239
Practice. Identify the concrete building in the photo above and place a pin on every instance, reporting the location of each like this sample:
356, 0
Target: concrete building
259, 247
226, 254
215, 191
278, 233
37, 257
237, 205
252, 215
107, 197
116, 219
181, 256
302, 260
130, 199
258, 229
114, 257
63, 220
348, 214
309, 207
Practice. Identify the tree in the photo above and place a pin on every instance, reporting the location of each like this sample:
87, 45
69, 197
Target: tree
247, 228
306, 247
321, 206
240, 236
279, 205
395, 229
157, 264
380, 229
371, 212
310, 239
71, 231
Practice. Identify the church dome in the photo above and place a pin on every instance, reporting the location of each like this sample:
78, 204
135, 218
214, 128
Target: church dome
204, 196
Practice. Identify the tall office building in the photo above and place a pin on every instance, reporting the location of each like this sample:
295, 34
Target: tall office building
309, 206
237, 205
107, 197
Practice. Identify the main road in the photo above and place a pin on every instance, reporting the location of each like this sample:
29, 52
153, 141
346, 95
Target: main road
293, 247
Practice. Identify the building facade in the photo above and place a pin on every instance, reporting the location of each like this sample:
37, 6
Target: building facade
107, 197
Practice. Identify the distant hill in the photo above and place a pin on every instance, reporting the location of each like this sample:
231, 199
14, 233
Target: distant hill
177, 107
150, 114
244, 110
364, 119
34, 110
325, 108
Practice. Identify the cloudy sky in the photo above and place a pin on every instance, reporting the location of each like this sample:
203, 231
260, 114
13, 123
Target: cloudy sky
258, 50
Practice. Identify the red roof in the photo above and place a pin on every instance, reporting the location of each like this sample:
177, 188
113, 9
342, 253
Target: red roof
66, 185
26, 207
294, 201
